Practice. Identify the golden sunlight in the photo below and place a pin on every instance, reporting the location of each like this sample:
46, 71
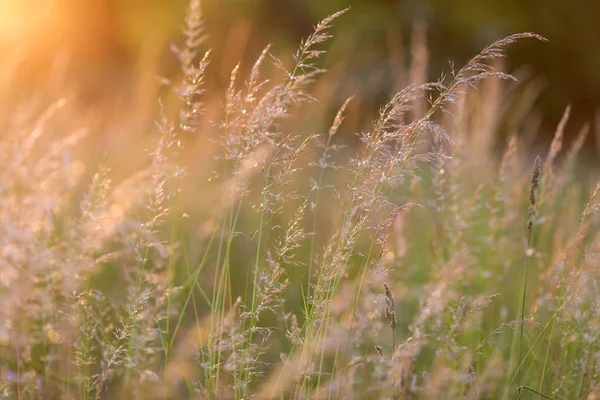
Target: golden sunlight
21, 19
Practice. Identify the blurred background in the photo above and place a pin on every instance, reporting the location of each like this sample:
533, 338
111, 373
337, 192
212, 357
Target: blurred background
107, 54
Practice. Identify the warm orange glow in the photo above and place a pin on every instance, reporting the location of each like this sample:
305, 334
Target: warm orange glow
20, 18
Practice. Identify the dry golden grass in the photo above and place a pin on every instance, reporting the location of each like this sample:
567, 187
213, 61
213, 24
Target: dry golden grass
240, 257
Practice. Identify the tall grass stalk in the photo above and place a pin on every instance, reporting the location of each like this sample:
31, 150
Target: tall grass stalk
535, 183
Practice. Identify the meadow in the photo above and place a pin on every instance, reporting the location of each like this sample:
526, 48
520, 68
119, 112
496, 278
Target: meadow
439, 254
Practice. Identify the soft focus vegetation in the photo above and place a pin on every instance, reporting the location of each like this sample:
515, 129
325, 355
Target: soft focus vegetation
259, 249
110, 43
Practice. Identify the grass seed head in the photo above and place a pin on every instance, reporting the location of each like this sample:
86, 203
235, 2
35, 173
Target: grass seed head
535, 184
390, 308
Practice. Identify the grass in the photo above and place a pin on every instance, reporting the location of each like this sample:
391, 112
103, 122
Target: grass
414, 264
